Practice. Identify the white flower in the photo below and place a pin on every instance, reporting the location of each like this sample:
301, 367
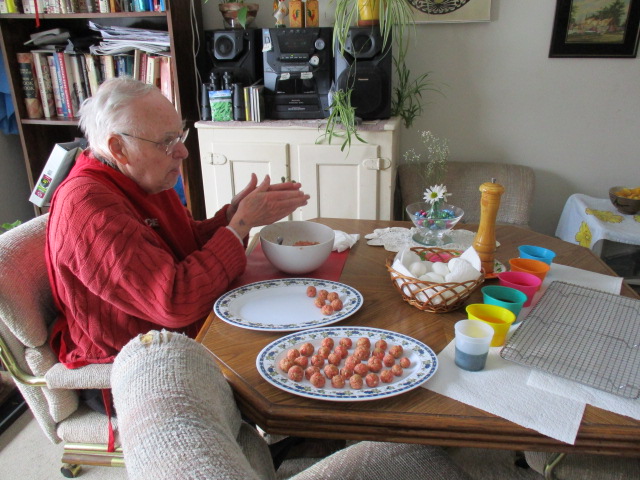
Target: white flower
435, 193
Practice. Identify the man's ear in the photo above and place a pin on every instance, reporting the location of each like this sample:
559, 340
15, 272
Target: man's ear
118, 149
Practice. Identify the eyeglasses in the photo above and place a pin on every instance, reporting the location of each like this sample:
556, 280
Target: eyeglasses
169, 145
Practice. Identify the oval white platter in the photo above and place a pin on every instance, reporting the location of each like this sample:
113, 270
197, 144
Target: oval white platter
424, 364
282, 305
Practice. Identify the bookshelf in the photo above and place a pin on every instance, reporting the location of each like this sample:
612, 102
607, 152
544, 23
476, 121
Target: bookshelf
38, 136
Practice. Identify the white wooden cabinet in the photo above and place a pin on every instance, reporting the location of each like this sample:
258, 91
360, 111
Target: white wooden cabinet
358, 183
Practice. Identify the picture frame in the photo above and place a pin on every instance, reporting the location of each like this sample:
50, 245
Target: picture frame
451, 11
596, 29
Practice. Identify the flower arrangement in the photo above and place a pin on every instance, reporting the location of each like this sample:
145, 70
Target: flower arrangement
434, 169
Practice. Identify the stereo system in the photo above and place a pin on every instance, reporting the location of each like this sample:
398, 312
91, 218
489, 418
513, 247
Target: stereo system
299, 68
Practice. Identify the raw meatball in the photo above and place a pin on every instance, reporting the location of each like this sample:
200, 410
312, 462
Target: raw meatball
327, 342
331, 370
334, 359
296, 373
302, 361
317, 380
317, 361
337, 381
355, 381
342, 351
375, 364
310, 371
388, 360
396, 370
381, 344
372, 380
327, 310
333, 296
361, 369
336, 305
386, 376
307, 349
311, 291
405, 362
396, 351
293, 353
285, 364
346, 342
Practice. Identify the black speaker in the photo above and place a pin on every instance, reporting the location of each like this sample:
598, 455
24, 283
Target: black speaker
236, 51
365, 67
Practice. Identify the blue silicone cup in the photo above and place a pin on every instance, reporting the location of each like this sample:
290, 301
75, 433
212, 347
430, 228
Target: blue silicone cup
537, 253
505, 297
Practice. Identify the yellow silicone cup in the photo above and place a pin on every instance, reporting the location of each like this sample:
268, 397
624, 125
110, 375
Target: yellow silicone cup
498, 317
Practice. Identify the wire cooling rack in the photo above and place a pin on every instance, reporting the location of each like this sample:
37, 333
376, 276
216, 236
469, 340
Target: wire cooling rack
582, 334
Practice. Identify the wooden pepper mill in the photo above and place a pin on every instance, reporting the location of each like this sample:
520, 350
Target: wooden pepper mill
485, 240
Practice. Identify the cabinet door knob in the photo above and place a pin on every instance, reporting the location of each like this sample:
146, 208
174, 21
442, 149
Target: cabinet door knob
217, 159
376, 163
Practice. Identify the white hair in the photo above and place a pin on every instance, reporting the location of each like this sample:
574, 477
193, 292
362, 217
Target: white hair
109, 111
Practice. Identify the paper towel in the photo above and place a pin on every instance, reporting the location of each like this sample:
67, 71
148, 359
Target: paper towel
501, 389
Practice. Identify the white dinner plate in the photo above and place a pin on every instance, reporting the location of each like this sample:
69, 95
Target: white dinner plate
424, 363
282, 305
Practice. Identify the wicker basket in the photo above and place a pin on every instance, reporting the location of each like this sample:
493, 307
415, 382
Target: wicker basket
421, 294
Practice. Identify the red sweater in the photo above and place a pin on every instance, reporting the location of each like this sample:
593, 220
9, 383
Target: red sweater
122, 262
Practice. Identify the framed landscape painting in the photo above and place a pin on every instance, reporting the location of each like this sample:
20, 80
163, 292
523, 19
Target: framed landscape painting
595, 28
445, 11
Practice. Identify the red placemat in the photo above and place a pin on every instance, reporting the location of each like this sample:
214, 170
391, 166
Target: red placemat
259, 268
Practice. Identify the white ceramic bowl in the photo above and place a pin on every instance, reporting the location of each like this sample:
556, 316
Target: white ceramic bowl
293, 259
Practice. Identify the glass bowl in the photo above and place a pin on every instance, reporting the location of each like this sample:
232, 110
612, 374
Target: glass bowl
433, 231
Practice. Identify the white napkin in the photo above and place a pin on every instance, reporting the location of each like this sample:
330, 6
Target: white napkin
575, 276
575, 391
501, 389
343, 240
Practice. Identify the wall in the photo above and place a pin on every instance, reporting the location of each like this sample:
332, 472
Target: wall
14, 185
574, 121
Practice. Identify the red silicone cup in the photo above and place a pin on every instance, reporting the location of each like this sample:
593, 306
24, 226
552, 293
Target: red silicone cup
525, 282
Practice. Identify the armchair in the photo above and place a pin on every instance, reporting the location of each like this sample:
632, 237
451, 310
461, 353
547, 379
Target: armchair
463, 180
178, 419
48, 387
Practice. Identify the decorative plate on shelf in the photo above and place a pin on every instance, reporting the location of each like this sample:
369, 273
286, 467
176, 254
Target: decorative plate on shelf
423, 364
282, 305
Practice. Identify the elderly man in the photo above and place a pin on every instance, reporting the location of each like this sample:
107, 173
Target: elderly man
124, 256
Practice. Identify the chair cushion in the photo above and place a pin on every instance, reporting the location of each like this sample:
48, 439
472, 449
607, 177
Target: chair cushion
26, 302
90, 376
463, 180
87, 426
177, 414
373, 460
62, 402
587, 467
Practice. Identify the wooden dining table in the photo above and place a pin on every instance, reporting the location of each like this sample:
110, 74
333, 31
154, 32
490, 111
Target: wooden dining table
420, 415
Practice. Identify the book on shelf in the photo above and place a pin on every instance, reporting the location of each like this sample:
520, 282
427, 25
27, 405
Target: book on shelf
29, 6
247, 103
43, 76
13, 6
56, 82
63, 83
93, 72
166, 78
67, 62
30, 90
79, 83
152, 75
56, 169
107, 66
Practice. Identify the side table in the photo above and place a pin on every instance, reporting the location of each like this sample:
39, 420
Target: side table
595, 222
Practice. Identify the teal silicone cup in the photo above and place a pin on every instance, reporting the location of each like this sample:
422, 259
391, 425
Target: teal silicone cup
505, 297
537, 253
